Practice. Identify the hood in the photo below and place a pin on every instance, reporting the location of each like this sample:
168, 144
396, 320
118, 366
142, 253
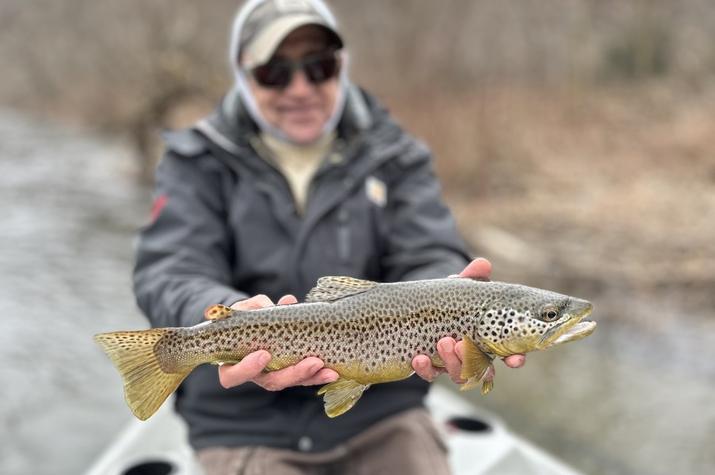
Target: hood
242, 90
230, 126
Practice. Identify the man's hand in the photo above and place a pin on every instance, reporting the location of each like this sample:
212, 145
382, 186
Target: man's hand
450, 350
307, 372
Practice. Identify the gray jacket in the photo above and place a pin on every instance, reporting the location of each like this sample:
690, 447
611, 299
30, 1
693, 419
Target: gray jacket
228, 229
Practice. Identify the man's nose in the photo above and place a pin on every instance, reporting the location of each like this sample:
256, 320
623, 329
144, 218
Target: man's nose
299, 85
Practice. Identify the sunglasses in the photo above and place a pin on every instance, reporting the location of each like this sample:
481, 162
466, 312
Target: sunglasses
278, 72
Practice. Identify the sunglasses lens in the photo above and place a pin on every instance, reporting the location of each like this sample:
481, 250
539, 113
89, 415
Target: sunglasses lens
278, 73
319, 70
273, 74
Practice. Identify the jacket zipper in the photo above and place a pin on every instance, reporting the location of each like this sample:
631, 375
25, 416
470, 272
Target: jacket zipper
344, 236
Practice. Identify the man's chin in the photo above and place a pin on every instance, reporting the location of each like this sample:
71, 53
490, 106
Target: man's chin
303, 134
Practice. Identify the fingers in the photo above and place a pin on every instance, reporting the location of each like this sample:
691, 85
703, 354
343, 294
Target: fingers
287, 300
451, 353
261, 301
257, 301
424, 369
479, 268
324, 376
249, 368
304, 373
307, 372
515, 361
447, 349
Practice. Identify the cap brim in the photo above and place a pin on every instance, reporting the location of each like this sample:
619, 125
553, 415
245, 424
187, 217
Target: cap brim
264, 45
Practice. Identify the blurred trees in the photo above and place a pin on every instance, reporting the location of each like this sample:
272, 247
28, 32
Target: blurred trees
466, 43
131, 67
123, 67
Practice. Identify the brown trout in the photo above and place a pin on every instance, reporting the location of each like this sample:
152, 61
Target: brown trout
366, 331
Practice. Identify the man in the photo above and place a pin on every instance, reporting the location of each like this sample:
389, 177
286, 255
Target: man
298, 174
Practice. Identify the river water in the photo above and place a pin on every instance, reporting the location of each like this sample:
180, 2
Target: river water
633, 398
69, 212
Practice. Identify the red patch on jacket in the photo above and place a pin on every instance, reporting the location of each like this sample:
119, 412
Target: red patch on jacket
157, 206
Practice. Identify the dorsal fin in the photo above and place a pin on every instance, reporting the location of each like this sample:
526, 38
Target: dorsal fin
332, 288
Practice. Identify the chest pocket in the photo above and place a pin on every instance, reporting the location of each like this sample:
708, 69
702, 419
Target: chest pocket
359, 231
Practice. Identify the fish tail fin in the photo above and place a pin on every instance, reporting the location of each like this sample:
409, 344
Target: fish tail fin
146, 385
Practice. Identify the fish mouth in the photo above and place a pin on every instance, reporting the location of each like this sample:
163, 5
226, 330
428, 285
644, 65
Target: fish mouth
580, 330
575, 328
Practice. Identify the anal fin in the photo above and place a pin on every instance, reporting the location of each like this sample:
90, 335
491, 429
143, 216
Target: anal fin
475, 367
341, 395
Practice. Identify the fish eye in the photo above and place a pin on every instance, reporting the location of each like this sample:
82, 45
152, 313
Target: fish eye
549, 313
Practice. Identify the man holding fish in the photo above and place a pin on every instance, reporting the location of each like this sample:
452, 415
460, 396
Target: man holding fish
298, 174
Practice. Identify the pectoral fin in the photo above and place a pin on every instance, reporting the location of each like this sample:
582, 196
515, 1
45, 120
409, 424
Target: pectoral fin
437, 361
475, 367
217, 312
341, 395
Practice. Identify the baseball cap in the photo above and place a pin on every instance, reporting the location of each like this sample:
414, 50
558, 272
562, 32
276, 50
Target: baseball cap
271, 21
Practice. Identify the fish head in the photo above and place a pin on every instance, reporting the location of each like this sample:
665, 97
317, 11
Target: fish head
526, 319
